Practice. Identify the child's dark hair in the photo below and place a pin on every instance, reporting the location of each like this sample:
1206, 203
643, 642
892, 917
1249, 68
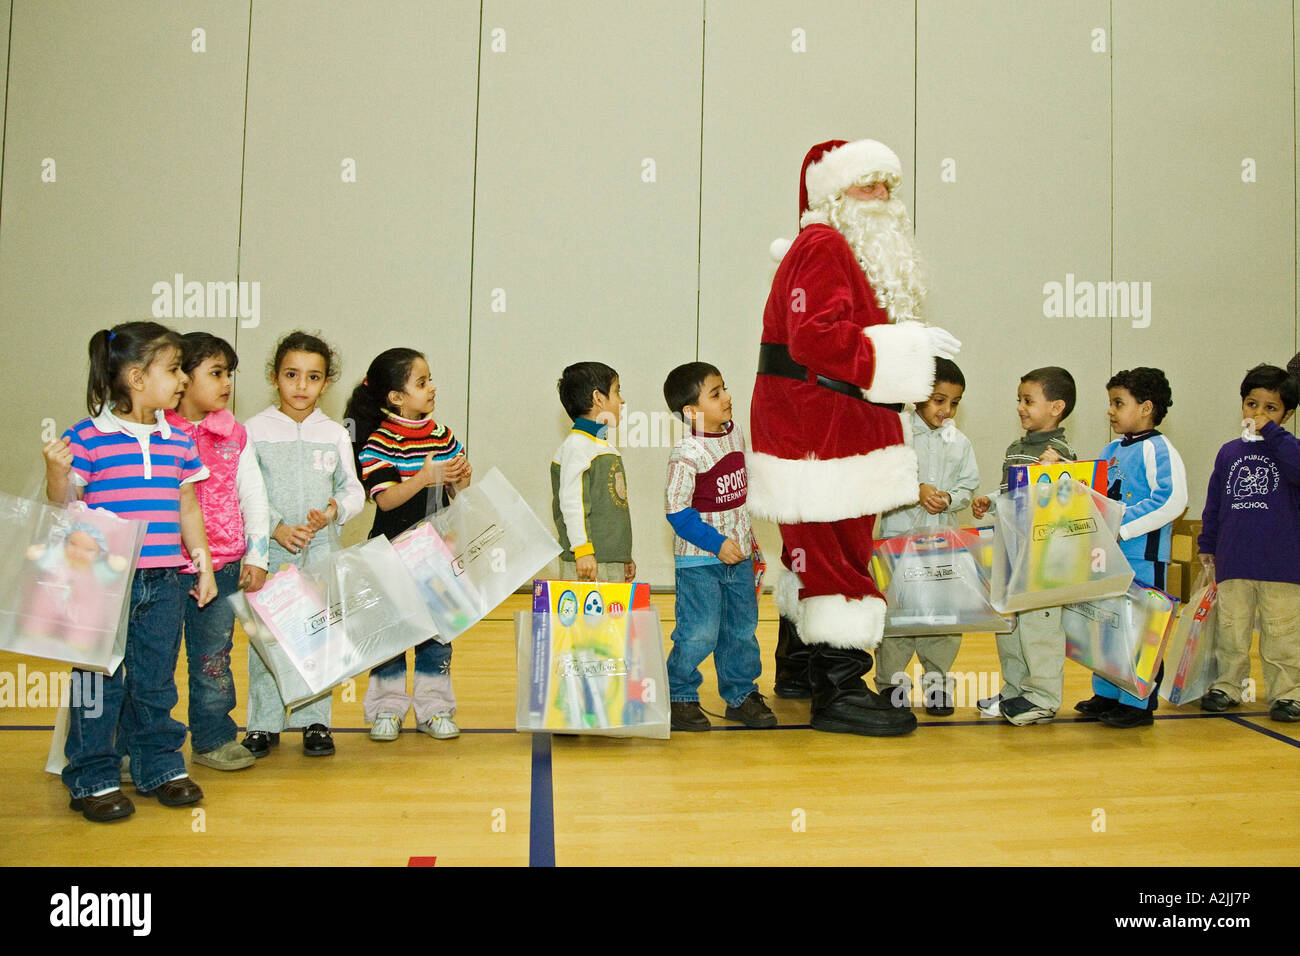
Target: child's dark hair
299, 341
577, 382
365, 409
683, 384
198, 347
1057, 385
113, 351
1272, 379
946, 372
1146, 385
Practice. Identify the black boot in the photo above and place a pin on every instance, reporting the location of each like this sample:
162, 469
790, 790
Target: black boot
843, 704
792, 658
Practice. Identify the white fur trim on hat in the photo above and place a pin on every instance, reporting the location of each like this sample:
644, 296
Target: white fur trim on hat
790, 491
785, 594
837, 621
904, 363
841, 168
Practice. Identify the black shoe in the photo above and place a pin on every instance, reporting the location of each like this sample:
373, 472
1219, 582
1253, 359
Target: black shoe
259, 742
752, 712
1096, 705
1021, 711
792, 681
896, 694
1216, 702
941, 708
106, 807
843, 704
1122, 715
317, 741
1285, 711
687, 716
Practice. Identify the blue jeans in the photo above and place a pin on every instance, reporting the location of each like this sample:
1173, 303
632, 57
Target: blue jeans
208, 640
717, 613
139, 695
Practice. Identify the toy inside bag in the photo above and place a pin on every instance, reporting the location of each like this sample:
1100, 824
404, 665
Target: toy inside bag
452, 599
66, 581
1190, 670
1121, 638
344, 613
933, 581
1054, 544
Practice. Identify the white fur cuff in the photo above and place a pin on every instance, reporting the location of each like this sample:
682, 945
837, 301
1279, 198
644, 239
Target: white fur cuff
838, 621
785, 594
904, 363
790, 491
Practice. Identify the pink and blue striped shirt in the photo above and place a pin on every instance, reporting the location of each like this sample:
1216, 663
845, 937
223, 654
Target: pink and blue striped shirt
136, 477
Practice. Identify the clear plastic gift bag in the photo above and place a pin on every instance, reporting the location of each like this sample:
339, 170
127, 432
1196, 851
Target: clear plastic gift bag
933, 582
1190, 670
590, 660
1123, 638
470, 556
341, 614
65, 581
1054, 544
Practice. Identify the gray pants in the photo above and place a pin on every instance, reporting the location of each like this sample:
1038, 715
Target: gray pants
266, 710
936, 655
1033, 658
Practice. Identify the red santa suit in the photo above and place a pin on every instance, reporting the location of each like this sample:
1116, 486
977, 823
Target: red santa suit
829, 453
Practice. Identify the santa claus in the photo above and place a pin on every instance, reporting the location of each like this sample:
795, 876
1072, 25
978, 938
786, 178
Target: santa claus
841, 350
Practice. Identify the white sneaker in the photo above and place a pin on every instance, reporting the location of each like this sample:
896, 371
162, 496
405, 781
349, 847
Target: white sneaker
990, 706
386, 727
440, 727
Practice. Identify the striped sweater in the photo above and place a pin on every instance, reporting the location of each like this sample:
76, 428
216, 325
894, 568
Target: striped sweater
395, 451
136, 471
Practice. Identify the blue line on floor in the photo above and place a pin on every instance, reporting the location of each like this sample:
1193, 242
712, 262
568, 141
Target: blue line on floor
1236, 719
541, 806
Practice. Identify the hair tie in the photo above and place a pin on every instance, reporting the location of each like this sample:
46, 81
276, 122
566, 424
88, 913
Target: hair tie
111, 336
366, 382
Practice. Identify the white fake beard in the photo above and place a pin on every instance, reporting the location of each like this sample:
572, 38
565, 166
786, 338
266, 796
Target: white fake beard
879, 232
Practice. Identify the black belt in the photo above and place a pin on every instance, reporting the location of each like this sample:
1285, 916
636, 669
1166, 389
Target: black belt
774, 359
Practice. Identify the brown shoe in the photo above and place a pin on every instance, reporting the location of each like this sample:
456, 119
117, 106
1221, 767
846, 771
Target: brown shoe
109, 806
176, 793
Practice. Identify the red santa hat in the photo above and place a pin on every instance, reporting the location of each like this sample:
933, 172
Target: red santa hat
835, 165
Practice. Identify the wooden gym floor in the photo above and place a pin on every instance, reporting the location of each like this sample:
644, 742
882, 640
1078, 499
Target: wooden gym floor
1195, 789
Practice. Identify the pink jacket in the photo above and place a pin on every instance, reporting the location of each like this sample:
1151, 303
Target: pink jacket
220, 440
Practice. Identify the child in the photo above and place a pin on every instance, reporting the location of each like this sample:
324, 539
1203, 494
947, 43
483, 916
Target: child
306, 460
588, 486
717, 606
946, 464
233, 502
403, 454
126, 459
1250, 541
1032, 656
1146, 474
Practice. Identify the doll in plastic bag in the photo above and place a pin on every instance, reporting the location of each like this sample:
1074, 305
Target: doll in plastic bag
67, 591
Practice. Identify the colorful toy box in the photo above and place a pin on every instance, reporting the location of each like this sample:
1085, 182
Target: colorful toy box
1055, 542
933, 582
1122, 639
591, 661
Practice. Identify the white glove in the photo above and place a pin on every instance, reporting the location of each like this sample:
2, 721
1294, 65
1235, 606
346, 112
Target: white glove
943, 344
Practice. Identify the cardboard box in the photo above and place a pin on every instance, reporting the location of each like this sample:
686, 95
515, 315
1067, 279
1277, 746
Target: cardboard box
1183, 543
